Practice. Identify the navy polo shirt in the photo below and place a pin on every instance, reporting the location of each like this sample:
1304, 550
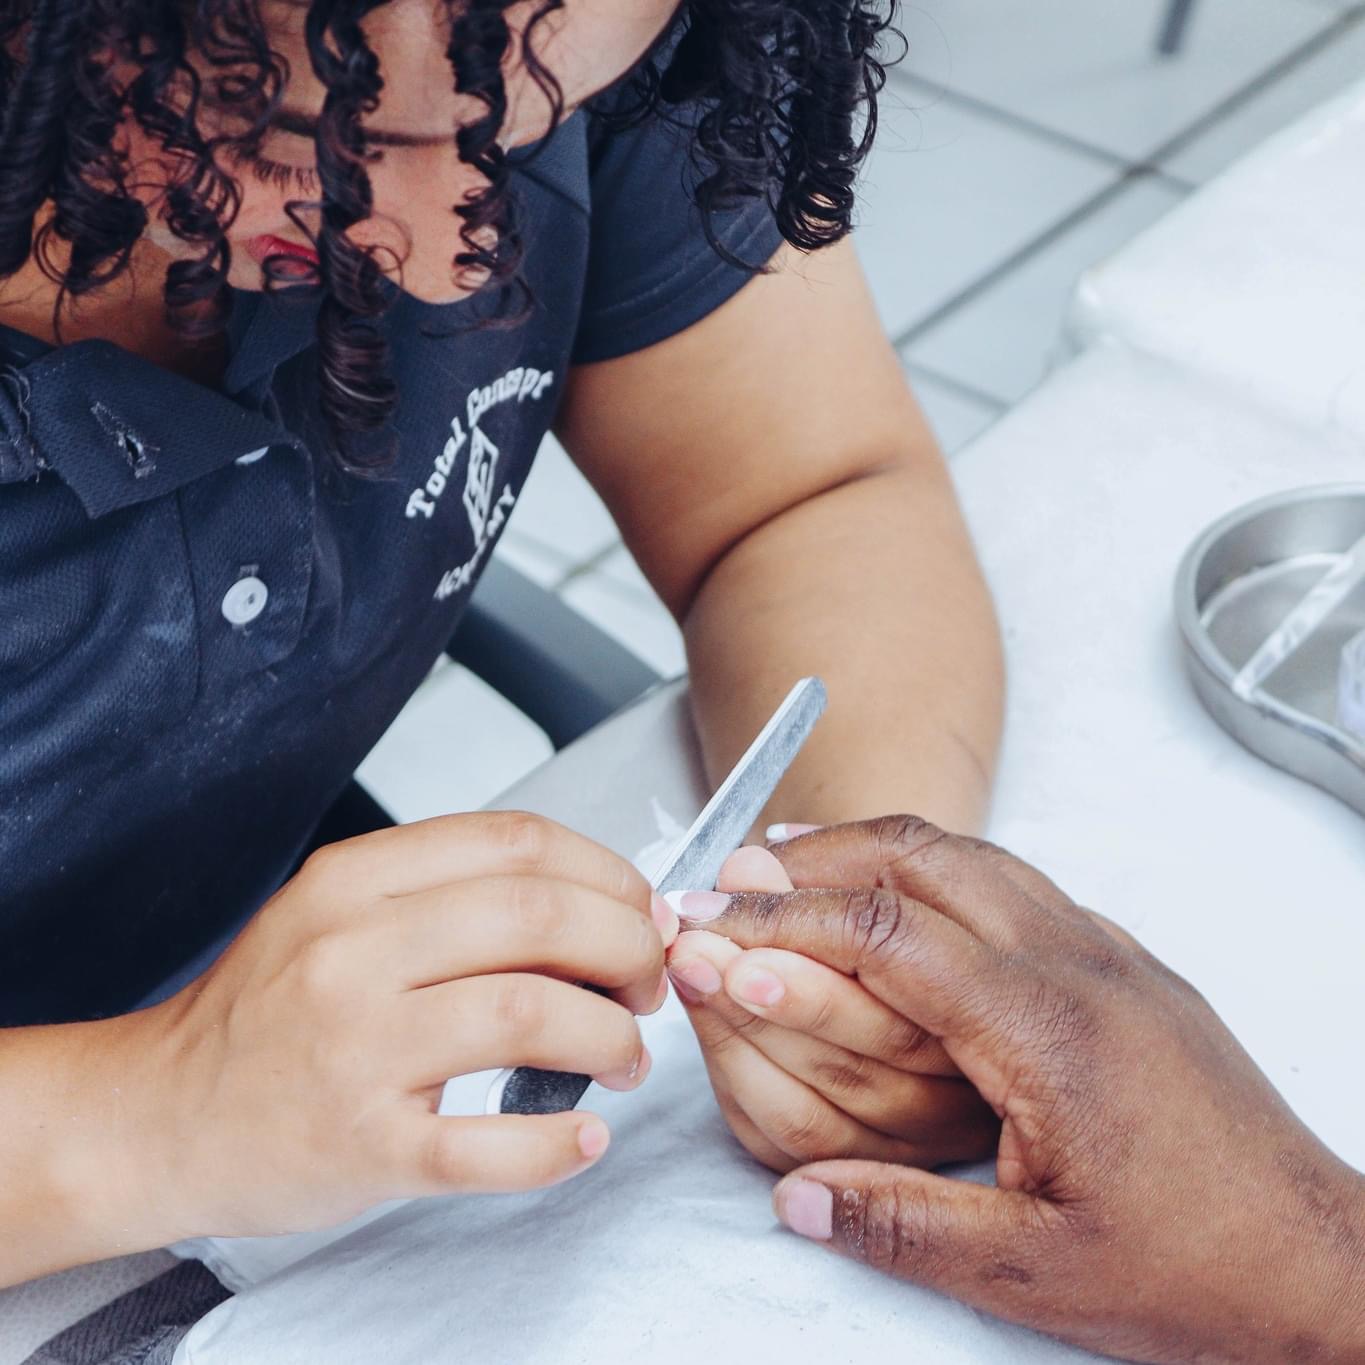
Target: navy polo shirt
204, 629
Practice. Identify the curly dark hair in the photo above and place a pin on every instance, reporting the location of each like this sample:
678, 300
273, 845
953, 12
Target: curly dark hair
778, 97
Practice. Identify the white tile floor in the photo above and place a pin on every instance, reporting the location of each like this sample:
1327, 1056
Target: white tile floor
1021, 142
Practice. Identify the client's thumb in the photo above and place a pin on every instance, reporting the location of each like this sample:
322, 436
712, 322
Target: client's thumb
975, 1242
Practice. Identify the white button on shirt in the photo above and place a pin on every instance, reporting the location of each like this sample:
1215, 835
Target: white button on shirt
244, 601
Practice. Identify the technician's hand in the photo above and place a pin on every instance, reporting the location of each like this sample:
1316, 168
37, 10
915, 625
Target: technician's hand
1156, 1198
296, 1083
805, 1062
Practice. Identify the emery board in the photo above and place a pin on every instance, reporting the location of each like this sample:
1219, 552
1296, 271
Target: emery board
693, 865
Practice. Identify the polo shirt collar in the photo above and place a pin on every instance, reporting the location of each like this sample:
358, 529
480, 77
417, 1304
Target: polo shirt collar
119, 430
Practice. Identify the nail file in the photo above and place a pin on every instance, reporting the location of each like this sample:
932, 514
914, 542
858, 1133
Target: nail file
693, 865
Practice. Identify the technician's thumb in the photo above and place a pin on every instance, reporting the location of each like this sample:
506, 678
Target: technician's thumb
975, 1242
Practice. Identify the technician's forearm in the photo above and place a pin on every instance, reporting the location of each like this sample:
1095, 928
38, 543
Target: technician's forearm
71, 1185
875, 587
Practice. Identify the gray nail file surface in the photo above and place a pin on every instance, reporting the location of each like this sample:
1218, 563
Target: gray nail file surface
693, 865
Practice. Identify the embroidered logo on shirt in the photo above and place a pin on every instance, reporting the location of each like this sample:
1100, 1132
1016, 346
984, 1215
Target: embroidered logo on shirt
486, 513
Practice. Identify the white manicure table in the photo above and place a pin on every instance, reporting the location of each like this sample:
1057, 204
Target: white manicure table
1113, 780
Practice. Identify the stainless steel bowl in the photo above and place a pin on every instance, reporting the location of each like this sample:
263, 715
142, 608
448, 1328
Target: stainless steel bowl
1235, 585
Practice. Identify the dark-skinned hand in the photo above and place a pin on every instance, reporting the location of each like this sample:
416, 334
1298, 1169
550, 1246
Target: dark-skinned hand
1155, 1198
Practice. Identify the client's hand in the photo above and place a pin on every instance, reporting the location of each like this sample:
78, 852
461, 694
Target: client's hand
805, 1062
1156, 1198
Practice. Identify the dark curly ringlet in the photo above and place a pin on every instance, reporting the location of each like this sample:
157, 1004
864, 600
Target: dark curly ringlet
776, 98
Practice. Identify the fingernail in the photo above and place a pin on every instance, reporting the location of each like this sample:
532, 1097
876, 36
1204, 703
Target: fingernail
628, 1080
806, 1207
698, 906
665, 920
593, 1138
695, 979
756, 986
776, 834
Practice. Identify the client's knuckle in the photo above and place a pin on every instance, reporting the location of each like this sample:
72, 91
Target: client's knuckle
902, 837
1183, 986
1110, 962
901, 832
875, 921
890, 1226
1066, 1023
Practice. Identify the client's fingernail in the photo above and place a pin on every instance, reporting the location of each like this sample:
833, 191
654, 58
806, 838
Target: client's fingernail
695, 979
776, 834
698, 906
755, 986
593, 1138
806, 1207
665, 920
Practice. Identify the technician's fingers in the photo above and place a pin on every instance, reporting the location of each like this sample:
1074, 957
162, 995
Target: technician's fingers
457, 848
514, 1019
495, 1154
532, 924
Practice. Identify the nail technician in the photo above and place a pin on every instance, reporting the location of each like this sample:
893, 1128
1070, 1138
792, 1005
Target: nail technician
1155, 1198
289, 294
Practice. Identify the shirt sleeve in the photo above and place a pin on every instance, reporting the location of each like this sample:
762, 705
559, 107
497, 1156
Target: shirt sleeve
651, 270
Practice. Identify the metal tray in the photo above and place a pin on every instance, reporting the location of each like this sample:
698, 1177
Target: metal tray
1236, 585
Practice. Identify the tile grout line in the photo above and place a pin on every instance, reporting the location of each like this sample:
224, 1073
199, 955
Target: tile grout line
1337, 27
1020, 256
1146, 168
960, 388
1041, 132
1128, 173
585, 567
626, 596
904, 82
1272, 75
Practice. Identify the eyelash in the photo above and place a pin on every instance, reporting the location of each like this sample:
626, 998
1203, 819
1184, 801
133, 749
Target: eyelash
302, 178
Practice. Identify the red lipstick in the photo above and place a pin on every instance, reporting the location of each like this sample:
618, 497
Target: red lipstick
259, 248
